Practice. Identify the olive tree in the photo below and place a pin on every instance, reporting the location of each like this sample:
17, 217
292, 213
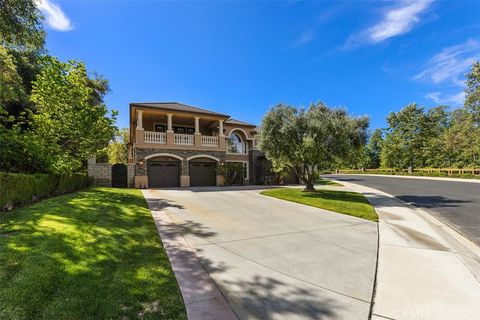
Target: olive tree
310, 141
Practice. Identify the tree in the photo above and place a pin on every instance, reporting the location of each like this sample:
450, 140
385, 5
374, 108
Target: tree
462, 139
21, 25
68, 128
374, 148
117, 149
405, 135
472, 92
310, 141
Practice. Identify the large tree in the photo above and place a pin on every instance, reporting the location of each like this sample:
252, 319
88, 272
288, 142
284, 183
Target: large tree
472, 92
310, 141
68, 123
374, 148
405, 136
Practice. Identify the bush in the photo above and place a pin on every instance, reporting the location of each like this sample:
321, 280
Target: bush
18, 189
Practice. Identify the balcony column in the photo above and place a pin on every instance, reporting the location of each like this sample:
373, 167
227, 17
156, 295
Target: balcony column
169, 130
139, 132
140, 119
198, 135
221, 136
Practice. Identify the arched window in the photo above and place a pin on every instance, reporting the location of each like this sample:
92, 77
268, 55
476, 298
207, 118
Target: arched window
236, 144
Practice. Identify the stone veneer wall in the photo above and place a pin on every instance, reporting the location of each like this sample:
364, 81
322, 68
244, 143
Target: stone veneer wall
102, 173
141, 153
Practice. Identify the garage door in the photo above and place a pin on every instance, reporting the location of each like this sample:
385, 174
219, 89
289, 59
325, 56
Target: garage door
163, 174
203, 174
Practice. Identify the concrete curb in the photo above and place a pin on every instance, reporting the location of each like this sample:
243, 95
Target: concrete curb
203, 300
426, 270
412, 177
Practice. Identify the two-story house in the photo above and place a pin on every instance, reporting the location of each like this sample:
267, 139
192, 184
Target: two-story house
173, 144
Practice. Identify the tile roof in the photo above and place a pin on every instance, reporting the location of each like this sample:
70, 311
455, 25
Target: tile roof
175, 106
235, 121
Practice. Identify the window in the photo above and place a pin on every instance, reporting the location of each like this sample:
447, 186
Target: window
159, 127
236, 144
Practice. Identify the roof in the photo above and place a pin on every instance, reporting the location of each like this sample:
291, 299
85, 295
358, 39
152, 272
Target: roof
235, 121
175, 106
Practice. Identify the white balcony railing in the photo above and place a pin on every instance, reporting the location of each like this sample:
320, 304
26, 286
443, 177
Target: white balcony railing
183, 139
155, 137
210, 141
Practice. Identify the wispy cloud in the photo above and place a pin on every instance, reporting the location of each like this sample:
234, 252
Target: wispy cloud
304, 38
451, 63
395, 21
448, 68
456, 99
56, 18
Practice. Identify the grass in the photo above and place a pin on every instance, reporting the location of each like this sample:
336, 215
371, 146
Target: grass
94, 254
350, 203
327, 182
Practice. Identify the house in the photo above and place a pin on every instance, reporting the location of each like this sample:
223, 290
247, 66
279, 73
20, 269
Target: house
177, 145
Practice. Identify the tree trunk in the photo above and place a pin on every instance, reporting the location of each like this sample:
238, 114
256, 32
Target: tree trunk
309, 187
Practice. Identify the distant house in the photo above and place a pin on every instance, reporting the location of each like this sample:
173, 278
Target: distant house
177, 145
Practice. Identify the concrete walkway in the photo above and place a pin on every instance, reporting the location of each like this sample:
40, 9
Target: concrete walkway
268, 258
425, 269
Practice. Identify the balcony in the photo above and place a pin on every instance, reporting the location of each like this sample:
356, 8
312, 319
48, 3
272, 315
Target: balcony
209, 141
181, 139
155, 137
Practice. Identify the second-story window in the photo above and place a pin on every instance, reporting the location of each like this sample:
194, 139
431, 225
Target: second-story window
236, 144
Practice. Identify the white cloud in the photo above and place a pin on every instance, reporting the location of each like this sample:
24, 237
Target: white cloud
451, 63
306, 37
456, 99
54, 15
447, 69
395, 21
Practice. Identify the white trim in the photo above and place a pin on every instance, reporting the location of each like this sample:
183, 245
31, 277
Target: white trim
203, 156
240, 129
164, 155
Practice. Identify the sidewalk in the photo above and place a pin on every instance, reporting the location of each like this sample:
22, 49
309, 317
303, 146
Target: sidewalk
425, 269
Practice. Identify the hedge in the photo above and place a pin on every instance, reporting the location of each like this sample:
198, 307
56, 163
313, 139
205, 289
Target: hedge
18, 189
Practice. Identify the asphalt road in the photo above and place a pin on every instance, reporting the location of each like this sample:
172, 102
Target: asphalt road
455, 203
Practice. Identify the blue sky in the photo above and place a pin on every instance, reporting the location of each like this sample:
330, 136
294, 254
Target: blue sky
241, 58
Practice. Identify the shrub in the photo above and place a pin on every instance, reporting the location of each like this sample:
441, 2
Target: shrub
17, 189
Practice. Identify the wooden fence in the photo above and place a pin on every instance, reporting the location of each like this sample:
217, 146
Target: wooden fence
447, 171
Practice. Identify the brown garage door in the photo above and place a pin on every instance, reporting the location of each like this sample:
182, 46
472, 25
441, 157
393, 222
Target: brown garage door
163, 174
203, 174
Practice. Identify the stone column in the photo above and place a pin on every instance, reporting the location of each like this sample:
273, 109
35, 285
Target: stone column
140, 119
169, 122
221, 136
170, 139
198, 136
197, 124
91, 162
220, 127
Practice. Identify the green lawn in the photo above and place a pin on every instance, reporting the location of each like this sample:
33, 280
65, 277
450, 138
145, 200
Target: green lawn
94, 254
326, 182
351, 203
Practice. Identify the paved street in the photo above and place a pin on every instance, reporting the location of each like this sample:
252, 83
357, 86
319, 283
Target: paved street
455, 203
271, 259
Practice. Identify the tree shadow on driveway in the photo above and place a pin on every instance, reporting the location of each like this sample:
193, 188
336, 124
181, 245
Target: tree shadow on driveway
251, 297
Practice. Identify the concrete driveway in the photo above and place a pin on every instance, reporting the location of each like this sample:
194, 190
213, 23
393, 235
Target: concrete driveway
271, 259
